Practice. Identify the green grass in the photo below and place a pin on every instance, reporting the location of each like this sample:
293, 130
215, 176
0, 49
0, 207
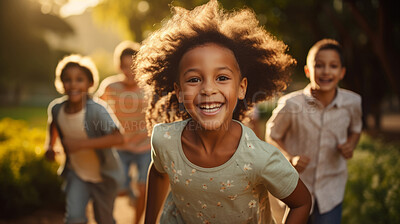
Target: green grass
36, 117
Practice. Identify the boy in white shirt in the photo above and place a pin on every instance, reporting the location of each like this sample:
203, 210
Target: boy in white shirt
318, 128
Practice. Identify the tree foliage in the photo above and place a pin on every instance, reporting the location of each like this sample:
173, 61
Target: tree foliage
25, 56
373, 187
368, 30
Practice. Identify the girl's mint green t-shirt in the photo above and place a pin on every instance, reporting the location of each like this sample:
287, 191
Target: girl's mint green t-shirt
234, 192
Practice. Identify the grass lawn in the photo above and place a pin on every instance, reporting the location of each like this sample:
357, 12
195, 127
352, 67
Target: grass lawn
35, 116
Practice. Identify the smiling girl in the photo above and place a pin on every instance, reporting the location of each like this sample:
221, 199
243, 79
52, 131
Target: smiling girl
203, 71
87, 131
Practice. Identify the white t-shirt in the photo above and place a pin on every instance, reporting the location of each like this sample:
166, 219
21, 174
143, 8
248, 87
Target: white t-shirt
84, 162
308, 128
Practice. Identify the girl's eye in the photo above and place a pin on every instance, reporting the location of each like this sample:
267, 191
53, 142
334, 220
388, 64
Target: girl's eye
222, 78
194, 80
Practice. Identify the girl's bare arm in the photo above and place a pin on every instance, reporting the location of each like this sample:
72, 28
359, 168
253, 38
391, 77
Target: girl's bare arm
299, 202
157, 188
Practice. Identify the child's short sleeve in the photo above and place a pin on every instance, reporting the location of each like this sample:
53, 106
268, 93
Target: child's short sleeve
53, 108
278, 175
155, 148
50, 113
356, 114
106, 121
280, 120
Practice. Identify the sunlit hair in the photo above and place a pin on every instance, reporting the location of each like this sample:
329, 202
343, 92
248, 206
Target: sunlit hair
76, 60
324, 44
124, 48
261, 58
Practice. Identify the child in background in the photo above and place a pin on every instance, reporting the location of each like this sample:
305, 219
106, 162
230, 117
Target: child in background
318, 128
198, 67
87, 131
126, 99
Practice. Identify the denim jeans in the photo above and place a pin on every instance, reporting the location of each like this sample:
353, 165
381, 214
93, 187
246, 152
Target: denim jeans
334, 216
142, 161
79, 192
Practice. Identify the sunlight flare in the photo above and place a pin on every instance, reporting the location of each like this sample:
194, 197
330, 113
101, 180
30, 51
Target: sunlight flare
76, 7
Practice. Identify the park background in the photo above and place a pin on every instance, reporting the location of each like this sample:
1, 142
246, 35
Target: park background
36, 34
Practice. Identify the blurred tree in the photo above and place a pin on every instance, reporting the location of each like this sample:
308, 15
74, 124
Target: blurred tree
25, 57
379, 21
368, 30
135, 17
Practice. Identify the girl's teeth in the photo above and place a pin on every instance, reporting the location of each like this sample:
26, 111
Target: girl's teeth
210, 106
211, 110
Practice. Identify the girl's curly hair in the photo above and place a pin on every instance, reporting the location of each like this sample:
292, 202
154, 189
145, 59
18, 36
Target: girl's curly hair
261, 57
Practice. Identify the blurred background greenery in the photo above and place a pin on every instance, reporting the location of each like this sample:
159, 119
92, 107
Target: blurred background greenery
35, 34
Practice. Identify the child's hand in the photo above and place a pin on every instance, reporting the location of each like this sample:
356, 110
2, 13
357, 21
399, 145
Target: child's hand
135, 139
300, 162
346, 150
126, 138
50, 154
71, 145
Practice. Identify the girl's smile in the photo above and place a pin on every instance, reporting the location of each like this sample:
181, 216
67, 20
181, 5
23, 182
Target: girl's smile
76, 86
210, 108
210, 84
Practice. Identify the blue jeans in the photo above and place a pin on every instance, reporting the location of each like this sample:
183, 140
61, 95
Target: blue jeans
79, 192
334, 216
142, 161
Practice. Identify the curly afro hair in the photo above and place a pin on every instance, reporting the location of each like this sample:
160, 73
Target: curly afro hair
261, 57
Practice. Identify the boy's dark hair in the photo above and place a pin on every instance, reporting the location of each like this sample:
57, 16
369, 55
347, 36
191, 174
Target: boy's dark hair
125, 48
261, 58
325, 44
127, 52
75, 60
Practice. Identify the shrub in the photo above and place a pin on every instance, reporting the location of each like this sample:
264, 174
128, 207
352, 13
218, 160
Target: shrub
265, 109
27, 180
373, 188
